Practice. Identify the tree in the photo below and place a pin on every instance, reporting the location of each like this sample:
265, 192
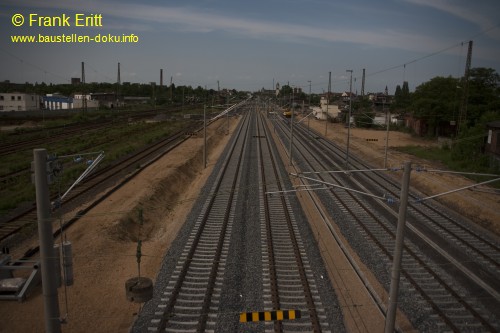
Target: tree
401, 97
435, 101
364, 119
285, 91
398, 93
468, 149
484, 93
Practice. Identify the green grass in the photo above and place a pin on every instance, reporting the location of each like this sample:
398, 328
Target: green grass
429, 153
444, 156
117, 141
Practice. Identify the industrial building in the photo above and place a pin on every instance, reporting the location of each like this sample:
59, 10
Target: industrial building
59, 102
19, 102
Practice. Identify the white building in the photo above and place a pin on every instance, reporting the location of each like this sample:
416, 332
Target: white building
19, 102
381, 119
59, 102
332, 110
78, 101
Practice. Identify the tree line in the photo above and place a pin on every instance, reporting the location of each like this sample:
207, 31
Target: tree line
158, 94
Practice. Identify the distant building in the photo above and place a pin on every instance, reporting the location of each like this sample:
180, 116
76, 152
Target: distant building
78, 101
88, 97
109, 100
332, 110
59, 102
380, 99
346, 96
19, 102
75, 80
493, 142
267, 92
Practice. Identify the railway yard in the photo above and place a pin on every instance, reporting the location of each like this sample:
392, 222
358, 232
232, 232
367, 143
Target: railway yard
259, 230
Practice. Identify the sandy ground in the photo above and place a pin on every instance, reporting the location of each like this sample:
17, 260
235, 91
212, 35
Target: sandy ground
104, 242
481, 207
360, 313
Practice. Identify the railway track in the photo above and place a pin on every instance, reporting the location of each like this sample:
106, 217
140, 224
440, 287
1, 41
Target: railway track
193, 291
450, 271
59, 133
101, 178
92, 144
242, 251
70, 131
289, 282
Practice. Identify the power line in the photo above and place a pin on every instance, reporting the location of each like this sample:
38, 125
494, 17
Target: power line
415, 60
45, 71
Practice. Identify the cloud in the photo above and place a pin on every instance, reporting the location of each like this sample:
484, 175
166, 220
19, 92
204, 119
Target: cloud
472, 13
188, 19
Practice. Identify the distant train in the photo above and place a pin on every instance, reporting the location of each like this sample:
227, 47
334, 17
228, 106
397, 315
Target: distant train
287, 113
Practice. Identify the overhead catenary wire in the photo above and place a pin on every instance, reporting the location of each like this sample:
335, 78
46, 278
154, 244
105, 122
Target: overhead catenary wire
456, 190
336, 186
87, 260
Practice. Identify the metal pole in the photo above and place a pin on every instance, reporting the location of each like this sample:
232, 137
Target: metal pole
309, 93
204, 136
227, 122
308, 128
47, 256
398, 251
349, 121
387, 116
291, 130
328, 100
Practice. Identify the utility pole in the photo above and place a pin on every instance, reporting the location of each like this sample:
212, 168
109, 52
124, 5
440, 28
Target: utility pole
227, 115
308, 114
328, 100
363, 84
349, 120
47, 255
161, 79
84, 101
388, 120
204, 136
171, 91
183, 99
462, 118
154, 97
160, 92
309, 93
398, 251
118, 84
291, 129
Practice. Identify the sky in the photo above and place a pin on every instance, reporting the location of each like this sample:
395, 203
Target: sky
250, 45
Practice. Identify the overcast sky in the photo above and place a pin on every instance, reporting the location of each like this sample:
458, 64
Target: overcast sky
248, 45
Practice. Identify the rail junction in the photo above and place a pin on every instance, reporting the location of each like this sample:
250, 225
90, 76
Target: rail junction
248, 245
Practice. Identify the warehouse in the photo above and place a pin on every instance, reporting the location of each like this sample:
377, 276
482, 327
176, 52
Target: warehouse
19, 102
